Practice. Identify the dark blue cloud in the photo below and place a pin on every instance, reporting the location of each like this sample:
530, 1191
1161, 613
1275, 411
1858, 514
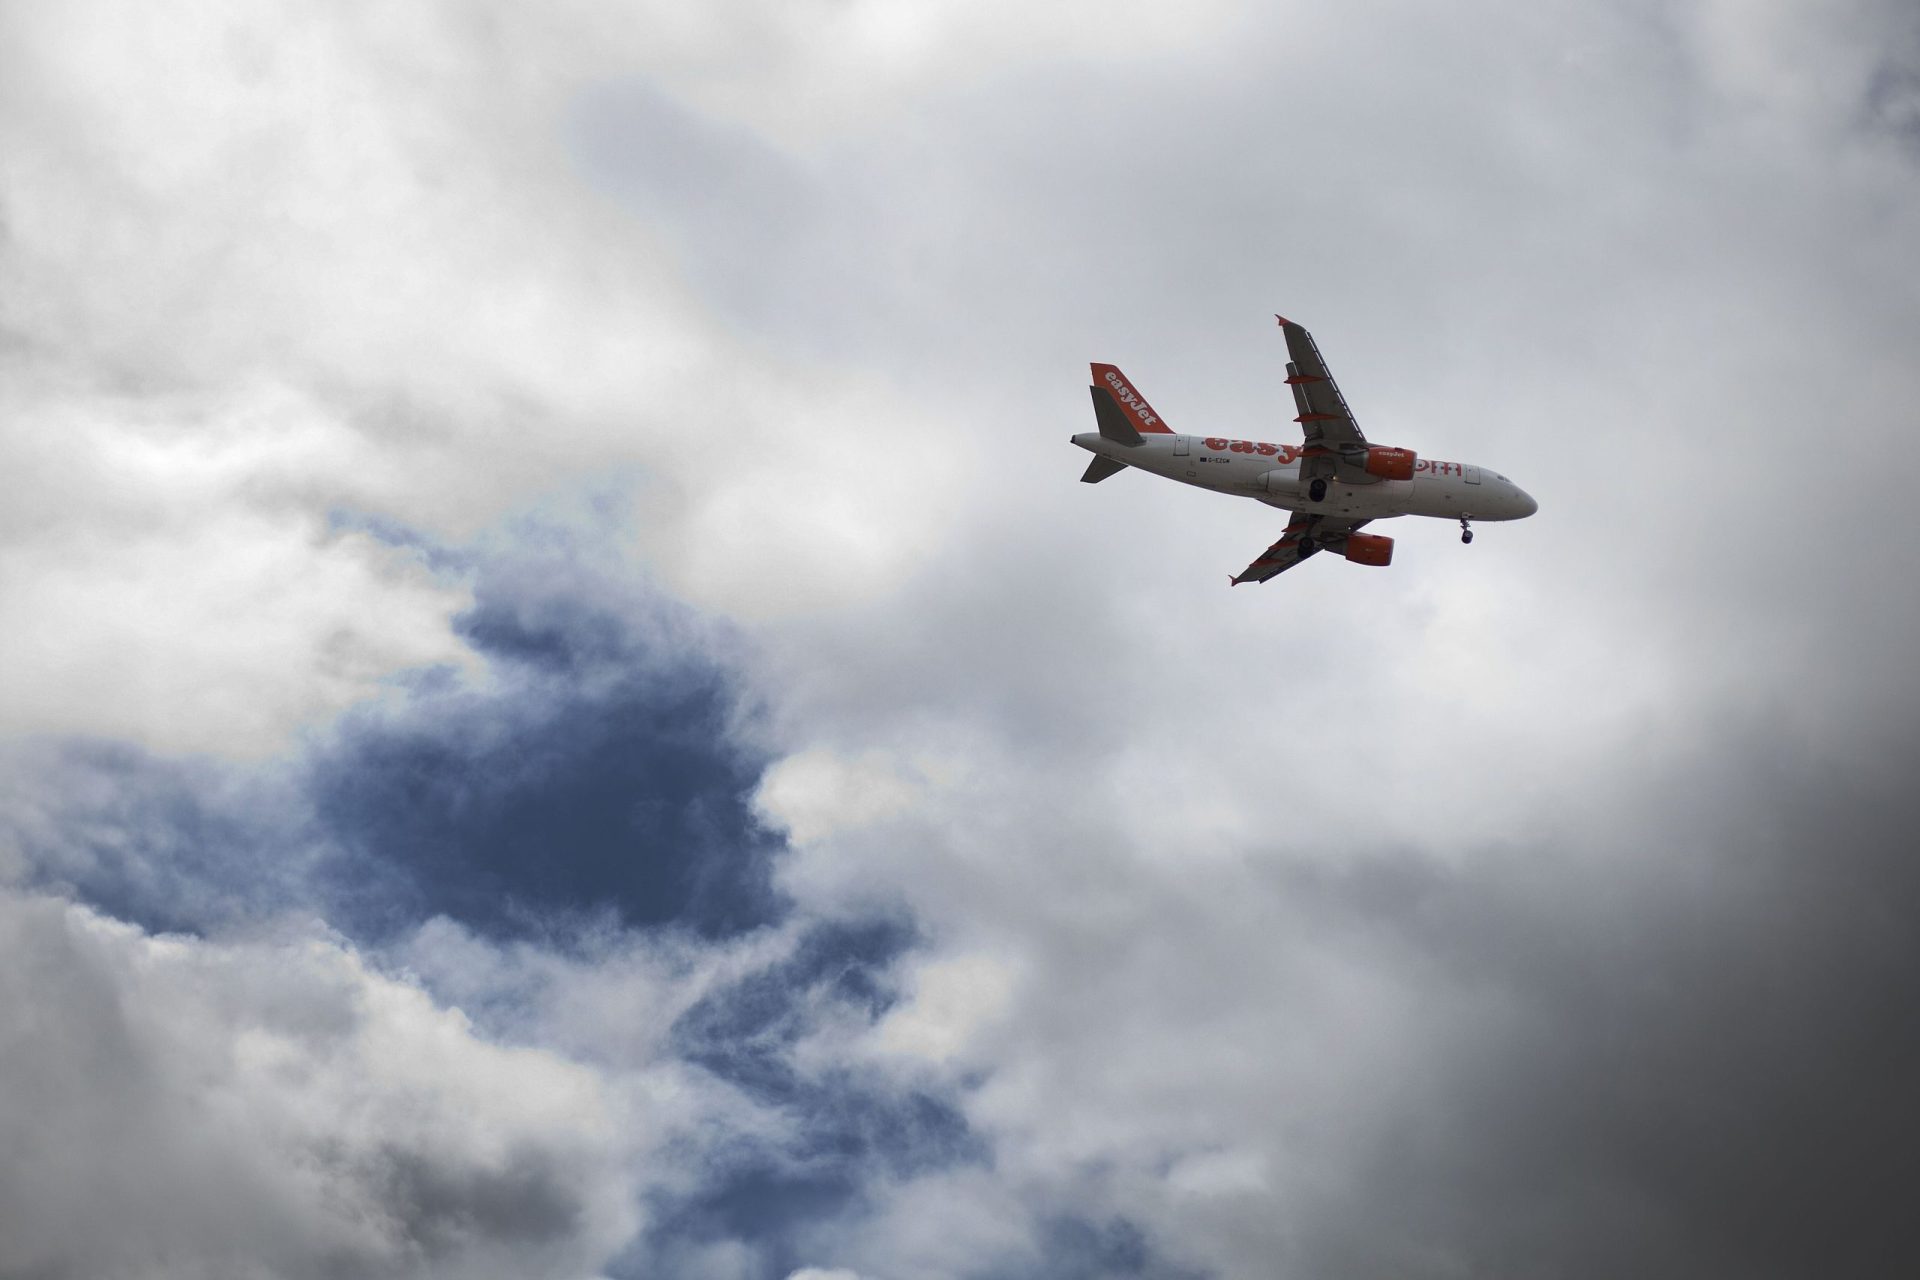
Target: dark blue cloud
741, 1032
590, 772
599, 779
1072, 1247
846, 1127
849, 1130
172, 845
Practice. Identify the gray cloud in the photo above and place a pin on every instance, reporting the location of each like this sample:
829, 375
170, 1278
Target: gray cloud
184, 1108
1671, 1042
1685, 1049
1539, 907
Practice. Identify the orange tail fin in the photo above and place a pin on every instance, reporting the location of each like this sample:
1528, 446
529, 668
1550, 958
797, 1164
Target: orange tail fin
1139, 413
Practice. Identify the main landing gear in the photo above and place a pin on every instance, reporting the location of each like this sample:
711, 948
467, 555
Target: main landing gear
1317, 490
1466, 532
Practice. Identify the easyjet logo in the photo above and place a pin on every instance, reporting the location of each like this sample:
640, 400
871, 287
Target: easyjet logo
1129, 399
1291, 453
1283, 452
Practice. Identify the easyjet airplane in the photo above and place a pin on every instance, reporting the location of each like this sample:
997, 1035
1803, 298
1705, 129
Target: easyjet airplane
1334, 482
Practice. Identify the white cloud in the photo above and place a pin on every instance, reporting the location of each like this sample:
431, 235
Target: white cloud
177, 1107
185, 588
950, 999
948, 1223
805, 74
817, 792
264, 266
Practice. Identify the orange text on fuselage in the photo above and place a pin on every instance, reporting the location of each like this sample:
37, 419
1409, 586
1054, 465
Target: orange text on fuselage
1283, 452
1291, 453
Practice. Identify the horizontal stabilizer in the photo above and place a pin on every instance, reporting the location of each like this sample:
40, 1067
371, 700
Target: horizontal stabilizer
1100, 468
1113, 424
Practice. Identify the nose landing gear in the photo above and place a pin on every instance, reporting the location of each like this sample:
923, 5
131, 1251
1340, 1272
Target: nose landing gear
1466, 532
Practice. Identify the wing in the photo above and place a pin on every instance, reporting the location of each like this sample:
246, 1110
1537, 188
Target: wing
1305, 536
1324, 416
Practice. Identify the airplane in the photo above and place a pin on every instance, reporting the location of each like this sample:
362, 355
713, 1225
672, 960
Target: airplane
1334, 482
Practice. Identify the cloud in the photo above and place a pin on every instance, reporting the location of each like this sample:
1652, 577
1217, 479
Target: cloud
172, 845
187, 591
262, 270
1531, 907
1652, 1071
1623, 1046
1147, 790
561, 846
178, 1107
594, 772
581, 766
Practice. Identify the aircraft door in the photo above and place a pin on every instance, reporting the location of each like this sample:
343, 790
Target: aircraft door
1180, 446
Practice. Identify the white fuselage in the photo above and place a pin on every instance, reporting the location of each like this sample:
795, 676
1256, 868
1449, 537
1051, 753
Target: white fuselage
1447, 490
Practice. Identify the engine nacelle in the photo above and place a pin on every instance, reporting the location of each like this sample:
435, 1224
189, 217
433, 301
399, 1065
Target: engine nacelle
1281, 482
1369, 548
1390, 464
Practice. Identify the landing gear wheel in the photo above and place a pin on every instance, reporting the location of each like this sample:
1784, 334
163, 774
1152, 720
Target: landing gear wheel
1466, 534
1307, 547
1317, 490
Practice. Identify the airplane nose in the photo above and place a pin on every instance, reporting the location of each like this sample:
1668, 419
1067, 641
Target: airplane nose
1526, 503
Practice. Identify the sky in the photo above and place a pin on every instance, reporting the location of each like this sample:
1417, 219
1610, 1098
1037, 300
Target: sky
563, 713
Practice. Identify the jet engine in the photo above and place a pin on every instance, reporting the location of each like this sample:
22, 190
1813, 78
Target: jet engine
1390, 464
1369, 549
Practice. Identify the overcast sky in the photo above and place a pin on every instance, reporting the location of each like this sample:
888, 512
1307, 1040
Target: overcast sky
564, 713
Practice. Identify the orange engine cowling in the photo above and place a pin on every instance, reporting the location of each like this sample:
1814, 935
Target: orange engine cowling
1391, 464
1369, 548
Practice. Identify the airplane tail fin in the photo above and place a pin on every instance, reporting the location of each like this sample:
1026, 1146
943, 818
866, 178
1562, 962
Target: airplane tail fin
1133, 406
1113, 423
